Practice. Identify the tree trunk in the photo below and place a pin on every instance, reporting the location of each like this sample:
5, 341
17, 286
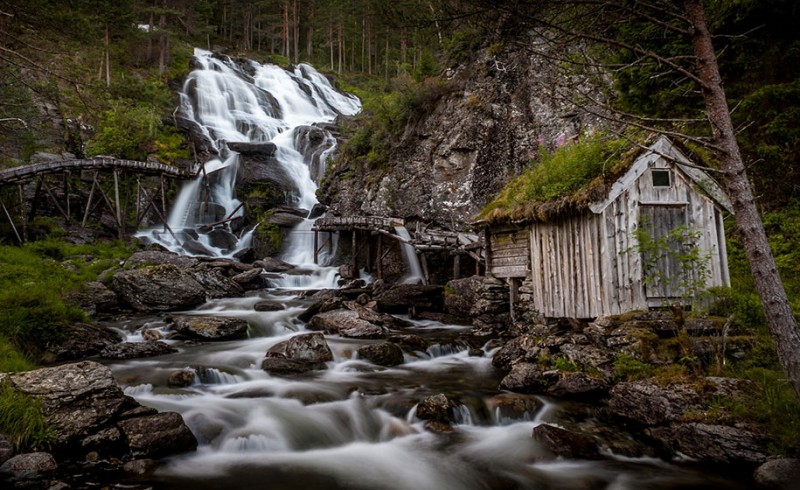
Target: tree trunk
310, 33
782, 323
286, 48
296, 33
108, 58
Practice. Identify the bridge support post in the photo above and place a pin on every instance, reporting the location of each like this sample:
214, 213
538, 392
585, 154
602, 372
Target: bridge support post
120, 228
456, 266
316, 247
23, 217
379, 257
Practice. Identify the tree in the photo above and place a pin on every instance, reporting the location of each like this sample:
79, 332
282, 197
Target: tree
601, 23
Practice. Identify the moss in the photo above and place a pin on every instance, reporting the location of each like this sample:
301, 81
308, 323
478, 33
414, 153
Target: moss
562, 181
627, 368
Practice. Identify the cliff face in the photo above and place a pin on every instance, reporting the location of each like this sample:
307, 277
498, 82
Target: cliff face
446, 166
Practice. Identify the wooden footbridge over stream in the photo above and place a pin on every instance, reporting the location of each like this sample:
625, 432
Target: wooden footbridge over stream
368, 241
87, 191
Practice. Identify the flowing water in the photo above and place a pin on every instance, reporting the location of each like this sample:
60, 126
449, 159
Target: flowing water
353, 425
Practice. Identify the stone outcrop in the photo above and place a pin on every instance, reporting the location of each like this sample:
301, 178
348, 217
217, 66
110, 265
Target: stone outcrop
162, 287
81, 340
565, 443
410, 298
136, 350
88, 412
480, 127
778, 474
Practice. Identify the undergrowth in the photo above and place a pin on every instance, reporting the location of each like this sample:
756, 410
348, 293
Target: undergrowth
21, 419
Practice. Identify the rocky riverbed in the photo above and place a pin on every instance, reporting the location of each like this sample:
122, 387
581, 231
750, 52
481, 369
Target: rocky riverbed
246, 368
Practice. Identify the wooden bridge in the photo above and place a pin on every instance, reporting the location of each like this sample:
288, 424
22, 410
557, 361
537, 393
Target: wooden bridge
63, 184
367, 234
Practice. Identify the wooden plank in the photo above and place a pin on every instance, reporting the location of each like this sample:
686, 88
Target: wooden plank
509, 271
520, 260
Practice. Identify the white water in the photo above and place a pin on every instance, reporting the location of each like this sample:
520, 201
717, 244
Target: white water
251, 103
415, 275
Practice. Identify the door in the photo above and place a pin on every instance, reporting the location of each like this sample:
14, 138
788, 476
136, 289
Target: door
663, 242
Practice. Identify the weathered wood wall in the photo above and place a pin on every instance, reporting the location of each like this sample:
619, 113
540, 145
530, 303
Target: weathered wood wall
510, 253
589, 265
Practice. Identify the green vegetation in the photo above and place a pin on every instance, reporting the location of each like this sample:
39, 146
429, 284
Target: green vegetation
34, 281
581, 166
22, 420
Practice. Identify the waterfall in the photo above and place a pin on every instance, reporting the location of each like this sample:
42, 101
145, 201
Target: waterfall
244, 102
415, 275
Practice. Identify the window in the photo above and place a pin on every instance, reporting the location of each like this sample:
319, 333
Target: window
661, 178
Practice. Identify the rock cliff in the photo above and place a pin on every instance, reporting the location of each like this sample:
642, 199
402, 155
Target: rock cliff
501, 109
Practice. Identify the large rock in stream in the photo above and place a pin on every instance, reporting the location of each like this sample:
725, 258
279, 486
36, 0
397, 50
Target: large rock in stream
211, 327
88, 412
347, 324
299, 354
162, 287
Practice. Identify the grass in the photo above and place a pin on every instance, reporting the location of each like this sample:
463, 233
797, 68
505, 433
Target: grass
557, 174
34, 280
21, 419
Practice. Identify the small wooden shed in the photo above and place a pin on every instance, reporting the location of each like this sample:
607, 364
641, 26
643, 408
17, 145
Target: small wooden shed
588, 263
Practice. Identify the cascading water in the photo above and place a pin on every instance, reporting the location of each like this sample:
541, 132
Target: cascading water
246, 102
414, 275
352, 425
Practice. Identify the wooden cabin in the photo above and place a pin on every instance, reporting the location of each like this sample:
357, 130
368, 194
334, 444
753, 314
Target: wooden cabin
588, 263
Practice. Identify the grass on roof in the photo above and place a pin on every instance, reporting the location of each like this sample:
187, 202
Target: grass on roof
573, 173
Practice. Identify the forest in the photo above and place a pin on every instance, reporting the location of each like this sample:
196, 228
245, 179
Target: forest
90, 78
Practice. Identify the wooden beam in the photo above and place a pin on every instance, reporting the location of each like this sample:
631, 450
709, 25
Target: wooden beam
116, 201
379, 256
316, 250
11, 221
89, 200
22, 215
55, 201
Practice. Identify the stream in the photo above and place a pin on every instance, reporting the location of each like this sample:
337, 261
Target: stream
353, 425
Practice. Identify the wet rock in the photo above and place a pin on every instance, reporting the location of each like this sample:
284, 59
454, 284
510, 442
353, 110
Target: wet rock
526, 377
372, 316
81, 340
246, 255
405, 298
564, 443
474, 296
348, 271
159, 435
264, 150
382, 354
521, 349
409, 342
778, 474
578, 385
310, 347
96, 297
317, 211
721, 444
136, 350
269, 306
151, 335
436, 408
280, 366
512, 406
28, 468
158, 288
222, 239
140, 466
271, 264
211, 327
215, 283
438, 427
347, 324
285, 218
181, 379
648, 404
250, 279
107, 441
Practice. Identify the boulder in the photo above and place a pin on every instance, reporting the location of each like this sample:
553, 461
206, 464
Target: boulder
136, 350
97, 298
382, 354
310, 347
211, 327
222, 239
181, 379
28, 468
405, 298
589, 356
317, 211
409, 342
578, 385
778, 474
154, 257
281, 366
348, 271
347, 324
158, 288
649, 404
269, 306
271, 264
436, 408
151, 334
215, 283
526, 377
565, 443
249, 279
513, 407
78, 399
158, 435
81, 340
524, 348
718, 444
